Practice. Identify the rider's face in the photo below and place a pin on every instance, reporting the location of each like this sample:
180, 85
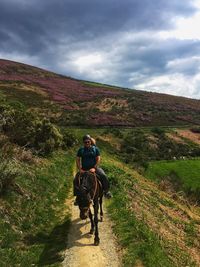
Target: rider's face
87, 143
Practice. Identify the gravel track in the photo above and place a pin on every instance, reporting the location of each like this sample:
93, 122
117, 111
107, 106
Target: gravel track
82, 253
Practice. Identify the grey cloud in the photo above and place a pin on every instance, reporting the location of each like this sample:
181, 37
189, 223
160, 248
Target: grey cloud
188, 67
131, 65
158, 53
42, 22
54, 30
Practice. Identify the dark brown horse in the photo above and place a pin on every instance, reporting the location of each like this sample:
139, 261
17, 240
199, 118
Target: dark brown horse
90, 193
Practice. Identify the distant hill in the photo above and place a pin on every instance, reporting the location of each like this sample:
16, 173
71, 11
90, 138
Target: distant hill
77, 102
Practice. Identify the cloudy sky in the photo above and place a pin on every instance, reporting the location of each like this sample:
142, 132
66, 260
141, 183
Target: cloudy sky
151, 45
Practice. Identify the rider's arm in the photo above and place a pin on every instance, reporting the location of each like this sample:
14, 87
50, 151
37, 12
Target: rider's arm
78, 163
95, 166
97, 161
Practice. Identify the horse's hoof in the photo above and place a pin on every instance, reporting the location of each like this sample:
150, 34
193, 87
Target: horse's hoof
91, 232
101, 219
96, 242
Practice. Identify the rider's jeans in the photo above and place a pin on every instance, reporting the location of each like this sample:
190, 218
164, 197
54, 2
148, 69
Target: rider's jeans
103, 178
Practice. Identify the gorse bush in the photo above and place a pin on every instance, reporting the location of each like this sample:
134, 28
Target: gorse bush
18, 125
9, 170
27, 129
45, 137
68, 139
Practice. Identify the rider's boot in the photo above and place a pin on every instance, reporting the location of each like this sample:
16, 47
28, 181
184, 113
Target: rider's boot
108, 194
76, 202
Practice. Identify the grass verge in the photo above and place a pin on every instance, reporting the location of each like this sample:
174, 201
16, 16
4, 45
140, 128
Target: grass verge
34, 224
138, 241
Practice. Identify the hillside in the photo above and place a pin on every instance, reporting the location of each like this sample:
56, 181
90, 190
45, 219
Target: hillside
153, 171
74, 102
154, 227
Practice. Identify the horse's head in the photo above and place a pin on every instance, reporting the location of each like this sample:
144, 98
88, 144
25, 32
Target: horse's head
84, 196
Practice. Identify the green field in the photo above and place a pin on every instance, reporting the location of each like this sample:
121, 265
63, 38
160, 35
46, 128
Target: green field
184, 172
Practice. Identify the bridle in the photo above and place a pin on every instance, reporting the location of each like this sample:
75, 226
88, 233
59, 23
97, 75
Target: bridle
96, 184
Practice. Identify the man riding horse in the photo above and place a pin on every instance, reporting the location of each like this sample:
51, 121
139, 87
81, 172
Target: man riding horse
88, 159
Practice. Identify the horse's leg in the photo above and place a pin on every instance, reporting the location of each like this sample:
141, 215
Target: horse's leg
101, 209
92, 222
96, 209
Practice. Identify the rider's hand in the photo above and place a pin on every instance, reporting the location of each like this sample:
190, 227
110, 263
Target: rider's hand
92, 170
81, 171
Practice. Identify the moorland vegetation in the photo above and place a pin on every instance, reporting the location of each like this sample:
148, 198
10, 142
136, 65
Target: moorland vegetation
93, 104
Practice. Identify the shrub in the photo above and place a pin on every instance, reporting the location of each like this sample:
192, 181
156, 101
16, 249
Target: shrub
19, 125
158, 131
68, 139
195, 152
9, 170
135, 141
137, 149
116, 132
28, 130
46, 137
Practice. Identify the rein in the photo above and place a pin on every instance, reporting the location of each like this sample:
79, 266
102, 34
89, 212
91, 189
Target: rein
95, 190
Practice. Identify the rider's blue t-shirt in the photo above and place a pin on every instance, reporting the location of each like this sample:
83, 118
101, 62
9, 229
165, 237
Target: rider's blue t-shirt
88, 156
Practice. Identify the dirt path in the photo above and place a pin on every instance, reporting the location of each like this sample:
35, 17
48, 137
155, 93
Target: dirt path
82, 253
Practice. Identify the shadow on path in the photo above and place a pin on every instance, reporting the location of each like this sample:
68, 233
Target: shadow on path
54, 244
79, 234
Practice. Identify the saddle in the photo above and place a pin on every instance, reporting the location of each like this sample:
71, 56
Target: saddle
79, 176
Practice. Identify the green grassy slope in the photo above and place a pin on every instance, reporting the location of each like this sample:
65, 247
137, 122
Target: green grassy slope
151, 227
34, 223
185, 173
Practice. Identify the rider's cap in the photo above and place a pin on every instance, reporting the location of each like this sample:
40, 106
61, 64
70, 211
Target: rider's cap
86, 137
